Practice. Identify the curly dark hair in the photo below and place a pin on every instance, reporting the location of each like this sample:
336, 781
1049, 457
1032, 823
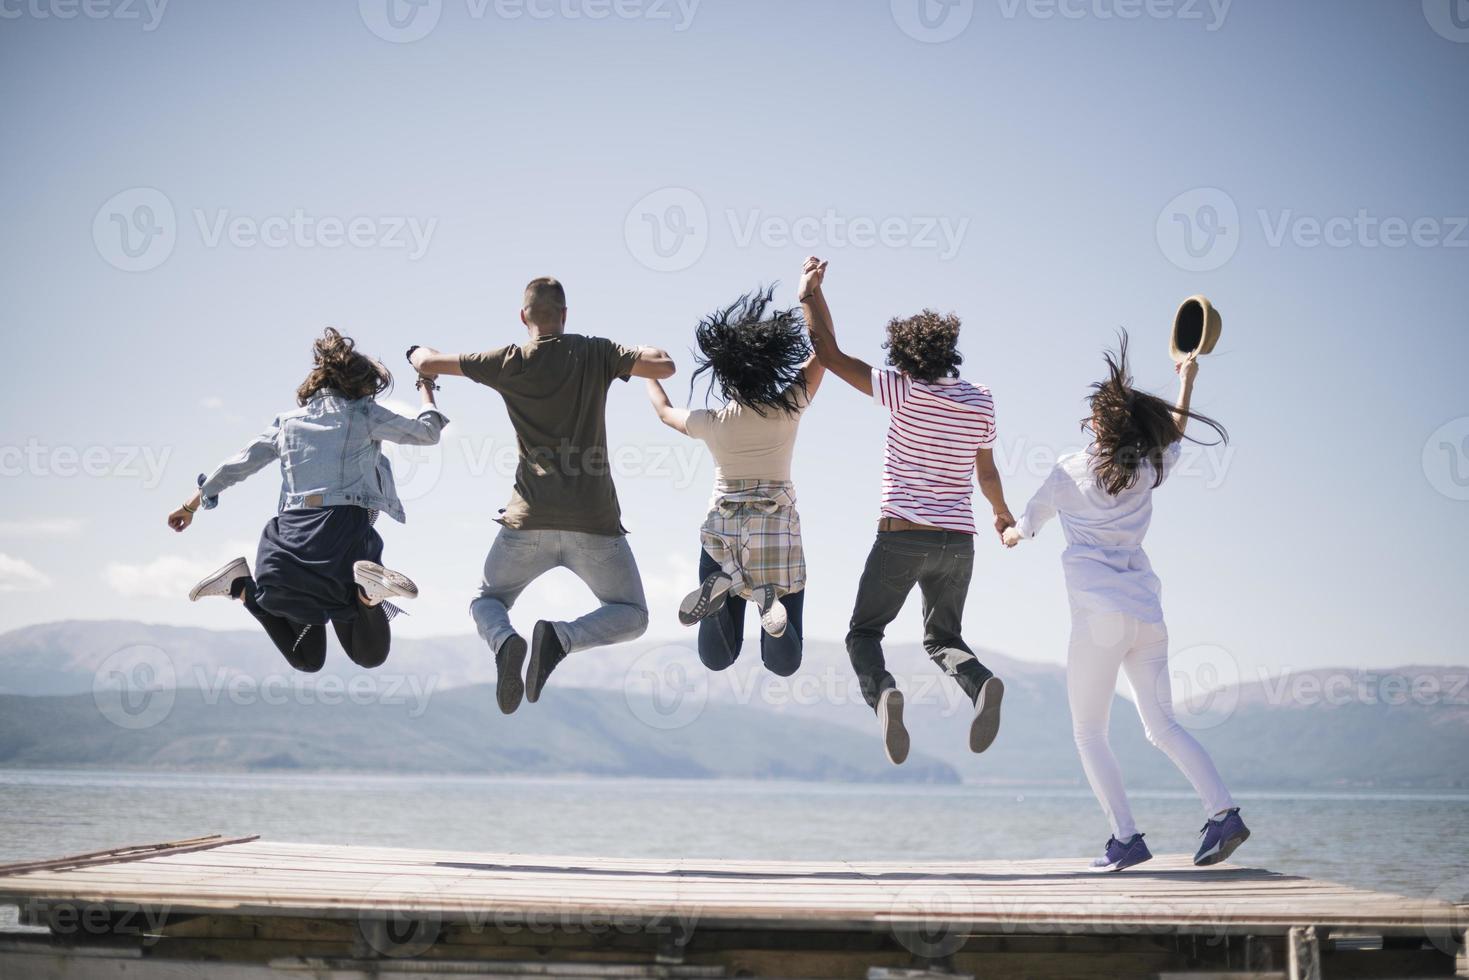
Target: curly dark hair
338, 364
754, 354
925, 346
1129, 426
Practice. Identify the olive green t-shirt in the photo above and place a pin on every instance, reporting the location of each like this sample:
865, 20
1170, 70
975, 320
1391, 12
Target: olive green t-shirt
555, 389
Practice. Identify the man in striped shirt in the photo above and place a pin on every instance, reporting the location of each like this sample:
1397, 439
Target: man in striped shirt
940, 437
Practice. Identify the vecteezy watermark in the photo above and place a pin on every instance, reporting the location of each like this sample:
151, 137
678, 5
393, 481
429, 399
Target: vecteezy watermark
1210, 13
149, 13
1204, 685
933, 21
666, 688
1448, 18
1208, 463
145, 464
77, 919
1446, 459
136, 230
377, 688
134, 687
406, 21
670, 229
1339, 688
926, 917
1200, 230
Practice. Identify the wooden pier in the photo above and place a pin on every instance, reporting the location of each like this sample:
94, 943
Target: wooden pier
247, 909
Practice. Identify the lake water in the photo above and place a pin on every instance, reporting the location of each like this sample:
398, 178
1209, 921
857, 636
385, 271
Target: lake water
1413, 844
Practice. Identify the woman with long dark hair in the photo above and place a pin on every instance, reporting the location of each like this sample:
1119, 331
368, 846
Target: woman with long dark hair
319, 558
1104, 497
759, 358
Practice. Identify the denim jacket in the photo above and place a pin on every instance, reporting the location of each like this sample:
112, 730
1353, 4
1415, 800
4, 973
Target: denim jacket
330, 454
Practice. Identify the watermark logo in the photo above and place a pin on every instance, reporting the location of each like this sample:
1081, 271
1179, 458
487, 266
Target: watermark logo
402, 916
135, 230
1199, 230
1211, 13
134, 687
933, 21
926, 916
401, 21
1448, 18
1446, 459
1204, 684
1446, 928
666, 688
416, 469
668, 230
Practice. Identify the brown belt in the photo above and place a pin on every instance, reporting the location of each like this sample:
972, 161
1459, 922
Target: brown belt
898, 524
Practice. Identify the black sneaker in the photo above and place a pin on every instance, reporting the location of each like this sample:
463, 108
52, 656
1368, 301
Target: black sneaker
986, 723
890, 715
546, 652
509, 662
706, 600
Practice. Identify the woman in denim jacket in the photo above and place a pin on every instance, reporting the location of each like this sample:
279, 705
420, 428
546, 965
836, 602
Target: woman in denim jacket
319, 558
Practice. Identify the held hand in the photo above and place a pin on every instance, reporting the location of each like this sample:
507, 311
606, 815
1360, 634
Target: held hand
181, 519
1011, 537
1004, 520
812, 275
416, 357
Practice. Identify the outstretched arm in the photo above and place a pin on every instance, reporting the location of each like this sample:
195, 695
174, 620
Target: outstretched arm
653, 363
854, 371
433, 364
1187, 372
674, 418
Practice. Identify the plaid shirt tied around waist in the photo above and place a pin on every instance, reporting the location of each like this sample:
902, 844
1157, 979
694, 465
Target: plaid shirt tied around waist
754, 533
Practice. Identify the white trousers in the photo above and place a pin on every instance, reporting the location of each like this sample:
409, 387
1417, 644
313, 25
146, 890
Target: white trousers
1102, 643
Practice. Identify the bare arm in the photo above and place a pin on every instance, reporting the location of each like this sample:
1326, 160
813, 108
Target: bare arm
854, 371
993, 489
654, 364
432, 363
1187, 372
674, 418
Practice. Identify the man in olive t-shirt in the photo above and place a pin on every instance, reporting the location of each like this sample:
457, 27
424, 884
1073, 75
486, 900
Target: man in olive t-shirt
563, 511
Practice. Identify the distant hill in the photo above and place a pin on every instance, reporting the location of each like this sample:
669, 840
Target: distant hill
651, 709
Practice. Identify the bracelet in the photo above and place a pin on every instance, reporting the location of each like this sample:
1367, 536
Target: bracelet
191, 510
425, 383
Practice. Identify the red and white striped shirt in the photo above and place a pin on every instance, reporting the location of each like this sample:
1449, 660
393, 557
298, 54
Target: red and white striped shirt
936, 430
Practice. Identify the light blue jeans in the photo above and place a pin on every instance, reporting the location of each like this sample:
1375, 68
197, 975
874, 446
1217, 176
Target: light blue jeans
605, 563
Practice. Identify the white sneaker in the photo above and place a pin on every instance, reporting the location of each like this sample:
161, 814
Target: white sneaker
379, 583
772, 610
219, 583
890, 716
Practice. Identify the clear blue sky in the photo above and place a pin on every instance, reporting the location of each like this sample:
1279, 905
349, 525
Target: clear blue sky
1048, 149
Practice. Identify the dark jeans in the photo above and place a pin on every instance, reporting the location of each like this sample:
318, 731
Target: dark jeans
940, 564
722, 635
366, 638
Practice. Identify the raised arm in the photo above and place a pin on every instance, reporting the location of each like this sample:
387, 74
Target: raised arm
260, 453
654, 364
854, 371
431, 363
1187, 372
674, 418
993, 489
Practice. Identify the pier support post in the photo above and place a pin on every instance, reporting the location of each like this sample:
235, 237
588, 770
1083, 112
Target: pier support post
1303, 954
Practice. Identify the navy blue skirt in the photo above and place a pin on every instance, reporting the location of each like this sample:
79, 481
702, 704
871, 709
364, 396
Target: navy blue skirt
303, 568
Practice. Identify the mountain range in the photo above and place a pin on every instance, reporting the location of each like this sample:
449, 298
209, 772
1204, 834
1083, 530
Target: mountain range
132, 695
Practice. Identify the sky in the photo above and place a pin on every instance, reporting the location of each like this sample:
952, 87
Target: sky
195, 189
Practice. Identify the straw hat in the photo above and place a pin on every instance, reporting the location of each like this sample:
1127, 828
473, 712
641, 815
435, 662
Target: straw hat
1196, 327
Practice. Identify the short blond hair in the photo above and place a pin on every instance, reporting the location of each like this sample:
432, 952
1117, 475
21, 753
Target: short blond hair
545, 301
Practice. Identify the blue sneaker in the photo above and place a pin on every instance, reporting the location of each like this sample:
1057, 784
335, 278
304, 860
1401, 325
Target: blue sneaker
1220, 837
1121, 855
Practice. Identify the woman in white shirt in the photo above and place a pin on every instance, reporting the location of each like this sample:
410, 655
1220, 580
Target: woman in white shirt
761, 361
1104, 497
